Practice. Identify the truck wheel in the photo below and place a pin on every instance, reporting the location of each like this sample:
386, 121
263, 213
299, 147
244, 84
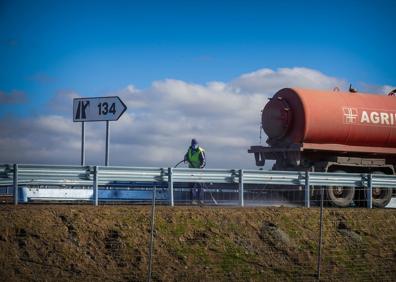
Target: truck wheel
340, 196
381, 196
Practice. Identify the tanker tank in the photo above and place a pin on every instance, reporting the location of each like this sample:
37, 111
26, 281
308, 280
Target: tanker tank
315, 130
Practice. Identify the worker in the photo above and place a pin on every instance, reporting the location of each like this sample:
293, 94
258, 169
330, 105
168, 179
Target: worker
195, 157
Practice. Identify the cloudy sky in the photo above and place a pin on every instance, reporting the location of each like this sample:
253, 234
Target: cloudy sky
184, 70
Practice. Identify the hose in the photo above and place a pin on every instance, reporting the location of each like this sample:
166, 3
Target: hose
202, 186
178, 163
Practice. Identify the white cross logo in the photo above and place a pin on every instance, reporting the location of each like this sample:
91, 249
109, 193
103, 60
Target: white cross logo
350, 115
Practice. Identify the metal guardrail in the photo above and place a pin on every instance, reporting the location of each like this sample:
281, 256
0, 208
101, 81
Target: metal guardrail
109, 175
273, 177
339, 179
185, 175
91, 177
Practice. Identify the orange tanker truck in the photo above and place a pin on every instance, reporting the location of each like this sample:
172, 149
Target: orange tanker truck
329, 131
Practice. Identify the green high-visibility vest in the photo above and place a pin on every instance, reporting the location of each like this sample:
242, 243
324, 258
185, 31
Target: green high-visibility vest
193, 158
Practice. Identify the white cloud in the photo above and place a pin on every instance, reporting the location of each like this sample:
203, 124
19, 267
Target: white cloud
376, 89
271, 81
386, 89
160, 122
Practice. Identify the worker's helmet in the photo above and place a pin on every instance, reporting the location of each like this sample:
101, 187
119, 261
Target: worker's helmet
194, 143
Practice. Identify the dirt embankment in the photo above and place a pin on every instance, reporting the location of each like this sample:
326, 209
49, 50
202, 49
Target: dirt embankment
59, 243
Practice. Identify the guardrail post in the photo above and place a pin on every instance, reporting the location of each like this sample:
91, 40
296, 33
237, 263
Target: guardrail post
307, 190
370, 191
241, 198
151, 245
15, 180
170, 186
95, 186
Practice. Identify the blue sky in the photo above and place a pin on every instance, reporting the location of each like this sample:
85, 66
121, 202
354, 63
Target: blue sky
96, 48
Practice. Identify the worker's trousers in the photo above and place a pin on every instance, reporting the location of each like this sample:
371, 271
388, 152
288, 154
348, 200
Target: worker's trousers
197, 192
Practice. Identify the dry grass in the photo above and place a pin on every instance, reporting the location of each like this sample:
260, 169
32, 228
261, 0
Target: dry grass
73, 242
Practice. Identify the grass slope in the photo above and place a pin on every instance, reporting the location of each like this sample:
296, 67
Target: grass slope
63, 243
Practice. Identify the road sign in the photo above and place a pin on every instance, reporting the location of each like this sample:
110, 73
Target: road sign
98, 109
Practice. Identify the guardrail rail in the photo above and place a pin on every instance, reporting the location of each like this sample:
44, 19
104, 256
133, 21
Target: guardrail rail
94, 183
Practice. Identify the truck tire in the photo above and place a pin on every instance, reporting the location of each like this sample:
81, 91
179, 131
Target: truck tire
340, 196
381, 196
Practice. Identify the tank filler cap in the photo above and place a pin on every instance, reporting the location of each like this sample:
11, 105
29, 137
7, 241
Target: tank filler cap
276, 119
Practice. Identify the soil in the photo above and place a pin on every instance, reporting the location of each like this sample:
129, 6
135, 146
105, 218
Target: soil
75, 242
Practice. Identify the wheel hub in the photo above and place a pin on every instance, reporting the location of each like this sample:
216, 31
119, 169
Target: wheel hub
338, 190
377, 192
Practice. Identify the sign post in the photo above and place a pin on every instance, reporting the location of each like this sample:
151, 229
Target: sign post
107, 142
97, 109
83, 143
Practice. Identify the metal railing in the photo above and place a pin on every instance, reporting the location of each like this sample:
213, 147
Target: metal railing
135, 180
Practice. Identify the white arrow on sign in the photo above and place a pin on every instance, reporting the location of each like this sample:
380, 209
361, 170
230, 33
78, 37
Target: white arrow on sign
98, 109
